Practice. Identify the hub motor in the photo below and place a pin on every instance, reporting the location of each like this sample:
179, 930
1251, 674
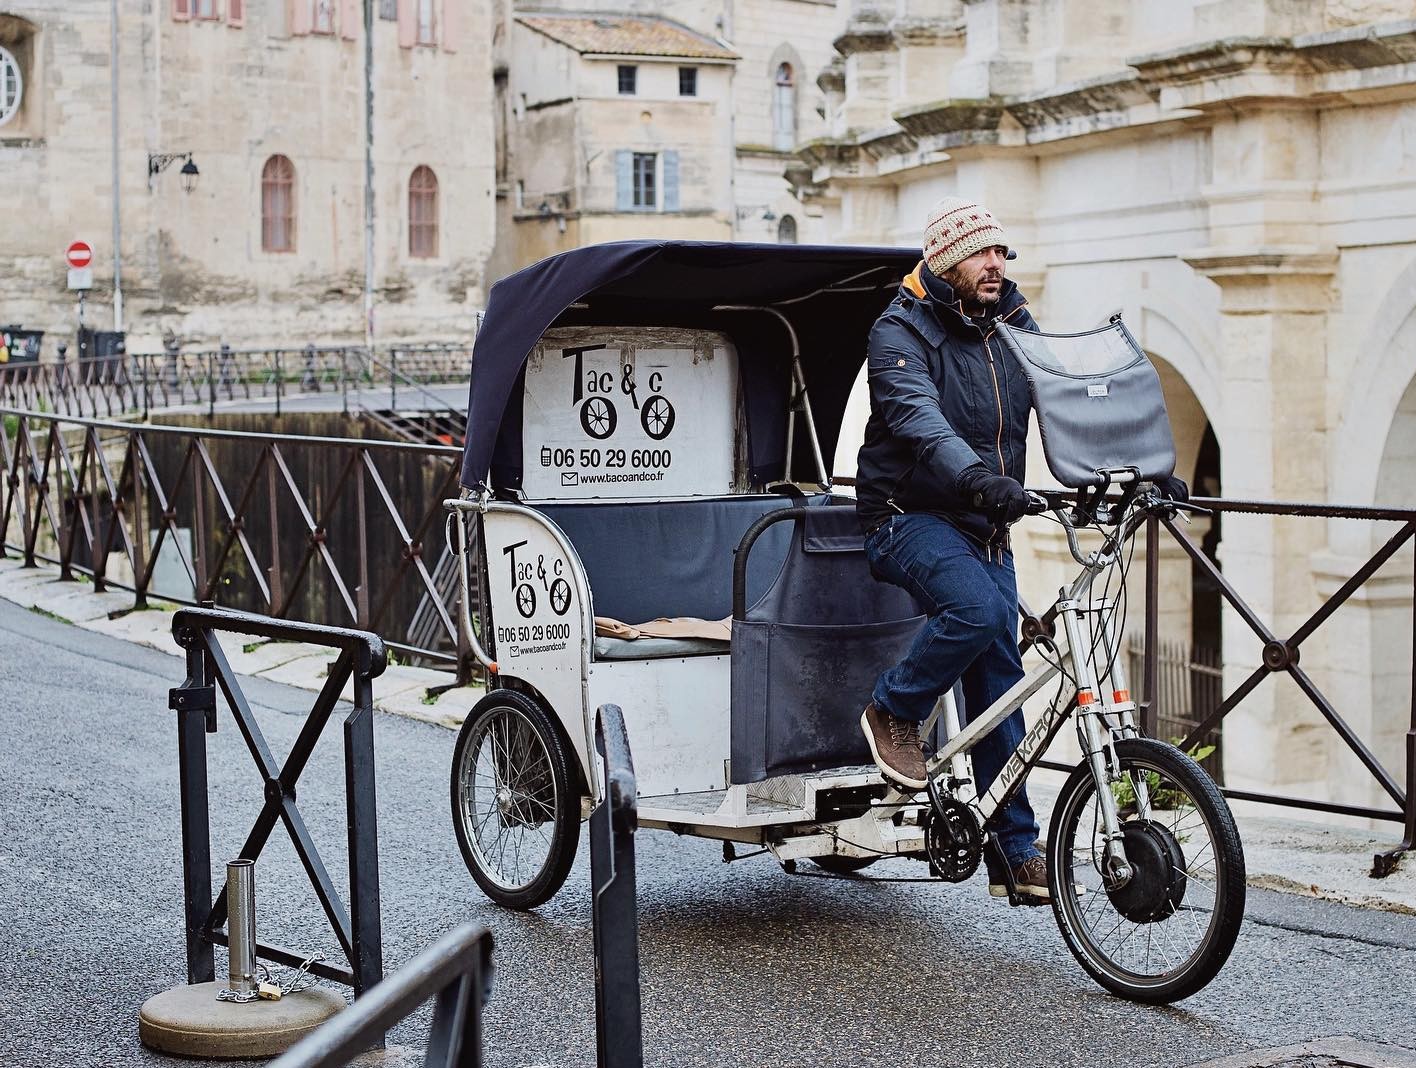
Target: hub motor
1157, 883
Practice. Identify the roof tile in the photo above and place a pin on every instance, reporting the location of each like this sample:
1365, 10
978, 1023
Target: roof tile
627, 35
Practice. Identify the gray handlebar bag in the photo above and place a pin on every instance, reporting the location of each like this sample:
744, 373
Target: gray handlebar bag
1098, 401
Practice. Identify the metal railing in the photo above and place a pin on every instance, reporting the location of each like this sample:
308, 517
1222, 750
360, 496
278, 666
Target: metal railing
1279, 655
330, 530
1189, 687
361, 658
619, 1039
1282, 654
110, 387
456, 971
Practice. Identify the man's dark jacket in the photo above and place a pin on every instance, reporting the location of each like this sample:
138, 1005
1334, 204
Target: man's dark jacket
944, 396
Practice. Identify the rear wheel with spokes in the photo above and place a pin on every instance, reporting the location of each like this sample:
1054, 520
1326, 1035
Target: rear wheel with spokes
1164, 932
515, 806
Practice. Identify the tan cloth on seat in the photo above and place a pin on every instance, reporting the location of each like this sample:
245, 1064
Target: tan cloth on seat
677, 627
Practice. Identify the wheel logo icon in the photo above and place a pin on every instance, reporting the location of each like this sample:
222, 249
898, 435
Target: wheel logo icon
657, 417
560, 597
597, 418
526, 600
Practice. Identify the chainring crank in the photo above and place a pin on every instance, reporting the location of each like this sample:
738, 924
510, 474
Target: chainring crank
953, 841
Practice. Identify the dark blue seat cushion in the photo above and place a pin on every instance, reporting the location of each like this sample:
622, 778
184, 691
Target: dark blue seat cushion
652, 559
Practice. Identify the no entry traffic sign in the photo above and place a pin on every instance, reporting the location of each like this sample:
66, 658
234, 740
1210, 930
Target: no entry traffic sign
79, 254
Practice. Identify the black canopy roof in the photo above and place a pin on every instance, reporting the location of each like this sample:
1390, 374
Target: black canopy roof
831, 295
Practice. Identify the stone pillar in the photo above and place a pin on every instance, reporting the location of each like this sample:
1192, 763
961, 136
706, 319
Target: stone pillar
1273, 352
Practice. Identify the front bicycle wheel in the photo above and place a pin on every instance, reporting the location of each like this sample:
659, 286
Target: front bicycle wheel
515, 802
1167, 930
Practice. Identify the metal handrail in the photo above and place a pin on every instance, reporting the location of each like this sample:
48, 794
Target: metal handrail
456, 971
100, 489
362, 658
619, 1039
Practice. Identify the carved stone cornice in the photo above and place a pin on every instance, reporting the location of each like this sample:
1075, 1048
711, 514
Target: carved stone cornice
1269, 279
1360, 47
1293, 260
948, 118
837, 153
832, 78
867, 31
1083, 107
890, 141
919, 32
1206, 60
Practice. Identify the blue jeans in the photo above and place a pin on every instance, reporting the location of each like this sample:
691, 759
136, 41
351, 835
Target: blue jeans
971, 595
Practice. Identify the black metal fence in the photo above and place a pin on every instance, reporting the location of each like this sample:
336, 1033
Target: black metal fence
330, 530
361, 658
455, 971
108, 387
618, 1035
1189, 683
1281, 654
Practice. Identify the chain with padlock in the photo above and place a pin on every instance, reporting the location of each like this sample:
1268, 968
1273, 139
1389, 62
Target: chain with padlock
269, 988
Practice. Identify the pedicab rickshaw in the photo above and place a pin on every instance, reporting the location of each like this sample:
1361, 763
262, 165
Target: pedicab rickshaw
648, 520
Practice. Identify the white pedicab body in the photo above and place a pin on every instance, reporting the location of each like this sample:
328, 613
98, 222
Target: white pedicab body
642, 456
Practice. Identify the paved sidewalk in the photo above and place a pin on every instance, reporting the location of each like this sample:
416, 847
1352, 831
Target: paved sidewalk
1285, 854
400, 689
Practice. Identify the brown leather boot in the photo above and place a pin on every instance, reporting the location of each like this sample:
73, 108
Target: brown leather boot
1029, 878
894, 743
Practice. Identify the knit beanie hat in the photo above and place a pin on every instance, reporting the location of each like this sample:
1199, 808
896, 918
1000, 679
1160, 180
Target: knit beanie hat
958, 228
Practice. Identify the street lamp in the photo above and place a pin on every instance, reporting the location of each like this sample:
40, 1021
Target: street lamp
160, 161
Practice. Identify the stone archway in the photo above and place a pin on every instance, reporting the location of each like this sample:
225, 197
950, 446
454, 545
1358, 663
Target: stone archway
1389, 596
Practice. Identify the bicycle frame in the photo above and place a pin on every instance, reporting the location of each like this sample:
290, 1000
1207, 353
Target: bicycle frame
1106, 712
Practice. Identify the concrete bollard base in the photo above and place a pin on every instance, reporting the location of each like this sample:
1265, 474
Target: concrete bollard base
190, 1022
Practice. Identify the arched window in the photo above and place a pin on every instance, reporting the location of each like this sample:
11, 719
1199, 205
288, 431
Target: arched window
786, 231
784, 108
423, 214
12, 87
278, 205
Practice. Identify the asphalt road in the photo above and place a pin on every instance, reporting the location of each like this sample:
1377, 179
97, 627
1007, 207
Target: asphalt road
742, 964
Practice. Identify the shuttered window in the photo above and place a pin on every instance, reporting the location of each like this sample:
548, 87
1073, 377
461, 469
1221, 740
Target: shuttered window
423, 214
646, 181
278, 205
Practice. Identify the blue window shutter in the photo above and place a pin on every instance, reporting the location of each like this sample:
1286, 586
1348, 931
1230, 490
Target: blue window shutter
624, 180
671, 181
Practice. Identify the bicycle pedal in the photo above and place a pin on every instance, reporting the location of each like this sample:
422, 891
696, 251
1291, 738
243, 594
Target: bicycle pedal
1028, 901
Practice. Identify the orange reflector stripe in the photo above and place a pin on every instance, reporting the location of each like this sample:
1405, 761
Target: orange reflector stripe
1121, 695
1085, 697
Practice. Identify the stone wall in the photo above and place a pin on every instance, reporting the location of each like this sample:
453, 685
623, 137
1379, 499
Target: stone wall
1248, 204
232, 96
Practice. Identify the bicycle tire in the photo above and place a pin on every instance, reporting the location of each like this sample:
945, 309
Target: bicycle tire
1160, 887
542, 789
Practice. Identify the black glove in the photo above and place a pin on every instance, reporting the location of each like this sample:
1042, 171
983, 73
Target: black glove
1172, 488
999, 497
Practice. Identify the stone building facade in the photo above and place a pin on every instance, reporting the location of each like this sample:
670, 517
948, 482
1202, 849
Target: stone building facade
564, 115
1239, 179
267, 98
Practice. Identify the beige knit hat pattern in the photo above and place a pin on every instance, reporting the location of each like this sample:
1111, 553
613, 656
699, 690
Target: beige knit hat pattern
958, 228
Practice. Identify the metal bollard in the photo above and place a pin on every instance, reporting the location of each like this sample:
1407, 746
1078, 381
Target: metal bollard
241, 927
